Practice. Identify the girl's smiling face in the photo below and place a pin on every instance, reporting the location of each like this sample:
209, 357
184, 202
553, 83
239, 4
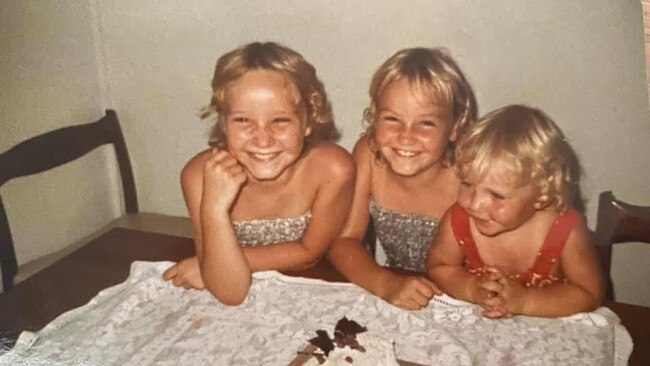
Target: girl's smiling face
497, 203
264, 123
412, 131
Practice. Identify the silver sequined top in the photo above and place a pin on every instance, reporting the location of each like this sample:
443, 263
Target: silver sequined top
405, 238
270, 231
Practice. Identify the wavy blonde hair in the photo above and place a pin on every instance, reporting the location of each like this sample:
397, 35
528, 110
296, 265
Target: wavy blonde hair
532, 145
273, 57
433, 72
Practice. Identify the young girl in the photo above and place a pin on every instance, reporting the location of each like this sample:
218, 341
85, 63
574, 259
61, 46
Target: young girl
270, 195
420, 103
513, 244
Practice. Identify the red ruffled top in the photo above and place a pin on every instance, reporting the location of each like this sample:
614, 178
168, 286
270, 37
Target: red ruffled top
539, 274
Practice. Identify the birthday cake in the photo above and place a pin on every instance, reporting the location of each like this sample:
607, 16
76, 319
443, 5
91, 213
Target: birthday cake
352, 344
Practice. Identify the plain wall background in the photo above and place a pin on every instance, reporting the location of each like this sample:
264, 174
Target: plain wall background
65, 62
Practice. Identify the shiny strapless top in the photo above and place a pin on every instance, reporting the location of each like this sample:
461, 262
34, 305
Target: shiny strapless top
405, 238
270, 231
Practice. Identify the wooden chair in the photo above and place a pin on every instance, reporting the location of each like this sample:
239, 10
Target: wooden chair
618, 222
51, 150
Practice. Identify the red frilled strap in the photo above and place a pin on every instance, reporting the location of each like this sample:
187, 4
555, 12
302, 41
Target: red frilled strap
539, 273
460, 227
556, 237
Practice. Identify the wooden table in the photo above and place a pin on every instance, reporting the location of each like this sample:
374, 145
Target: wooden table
105, 261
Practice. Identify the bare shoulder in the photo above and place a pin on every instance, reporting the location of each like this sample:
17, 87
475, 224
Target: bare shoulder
362, 152
193, 169
330, 159
580, 237
364, 157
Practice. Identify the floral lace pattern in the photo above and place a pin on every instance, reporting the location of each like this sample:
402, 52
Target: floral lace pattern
147, 321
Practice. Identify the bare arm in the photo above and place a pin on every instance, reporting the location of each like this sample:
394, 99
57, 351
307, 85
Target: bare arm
351, 258
211, 183
445, 265
583, 289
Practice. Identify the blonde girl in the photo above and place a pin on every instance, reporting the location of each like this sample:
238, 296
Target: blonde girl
270, 193
513, 243
420, 103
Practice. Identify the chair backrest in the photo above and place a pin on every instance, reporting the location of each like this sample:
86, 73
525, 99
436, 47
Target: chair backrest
50, 150
618, 222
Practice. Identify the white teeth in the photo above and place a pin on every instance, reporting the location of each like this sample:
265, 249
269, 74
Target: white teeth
404, 153
264, 156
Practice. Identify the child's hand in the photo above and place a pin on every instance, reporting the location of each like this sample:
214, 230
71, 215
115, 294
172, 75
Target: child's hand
484, 289
409, 292
509, 294
488, 286
223, 177
185, 273
513, 295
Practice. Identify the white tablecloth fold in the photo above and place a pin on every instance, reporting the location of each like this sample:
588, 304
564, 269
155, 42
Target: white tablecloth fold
147, 321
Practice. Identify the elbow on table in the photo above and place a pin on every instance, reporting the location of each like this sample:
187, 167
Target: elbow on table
591, 298
308, 258
229, 297
595, 301
310, 261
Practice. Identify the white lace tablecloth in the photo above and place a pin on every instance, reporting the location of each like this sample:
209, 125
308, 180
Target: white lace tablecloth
147, 321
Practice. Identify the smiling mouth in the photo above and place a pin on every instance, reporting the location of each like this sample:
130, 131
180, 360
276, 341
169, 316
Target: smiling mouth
264, 156
482, 221
405, 153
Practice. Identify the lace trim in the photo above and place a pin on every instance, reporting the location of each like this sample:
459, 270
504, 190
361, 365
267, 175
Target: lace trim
147, 321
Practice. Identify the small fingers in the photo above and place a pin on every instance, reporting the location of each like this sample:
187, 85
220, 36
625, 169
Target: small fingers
491, 286
496, 311
177, 281
430, 288
170, 272
413, 295
492, 301
410, 303
493, 314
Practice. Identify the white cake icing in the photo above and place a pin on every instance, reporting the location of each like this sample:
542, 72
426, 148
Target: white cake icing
378, 352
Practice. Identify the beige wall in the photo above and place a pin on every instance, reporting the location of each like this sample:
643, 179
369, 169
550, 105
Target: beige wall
49, 77
581, 61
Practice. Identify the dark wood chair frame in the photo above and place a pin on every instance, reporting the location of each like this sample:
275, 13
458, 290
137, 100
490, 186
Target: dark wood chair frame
50, 150
618, 222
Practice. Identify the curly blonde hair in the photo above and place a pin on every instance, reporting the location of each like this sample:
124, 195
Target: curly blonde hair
431, 71
273, 57
528, 141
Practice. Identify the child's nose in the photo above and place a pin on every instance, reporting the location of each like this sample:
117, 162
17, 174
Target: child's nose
473, 201
263, 137
406, 135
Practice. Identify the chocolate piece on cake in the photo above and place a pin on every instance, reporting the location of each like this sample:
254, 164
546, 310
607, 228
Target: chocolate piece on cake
352, 344
345, 334
323, 341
